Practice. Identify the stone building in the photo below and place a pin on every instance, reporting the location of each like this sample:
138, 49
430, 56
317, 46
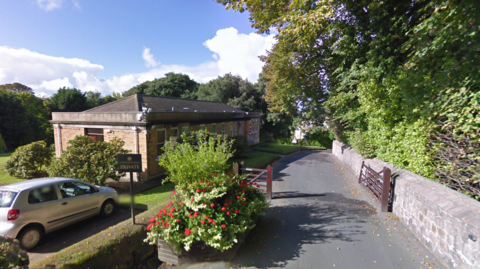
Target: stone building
146, 122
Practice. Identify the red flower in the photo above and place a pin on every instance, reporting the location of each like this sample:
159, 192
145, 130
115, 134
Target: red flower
202, 221
152, 220
236, 211
214, 174
167, 224
171, 202
210, 220
198, 190
223, 209
243, 203
212, 205
173, 192
233, 180
178, 220
243, 191
226, 204
224, 226
238, 197
195, 214
228, 213
219, 184
206, 217
149, 226
192, 199
244, 199
204, 190
187, 231
181, 203
214, 223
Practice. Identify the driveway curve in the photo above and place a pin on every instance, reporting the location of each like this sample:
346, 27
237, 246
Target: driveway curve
320, 217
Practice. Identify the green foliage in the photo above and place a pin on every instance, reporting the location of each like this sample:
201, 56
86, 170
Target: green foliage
239, 146
398, 73
210, 205
87, 160
27, 161
17, 88
172, 85
67, 100
11, 256
95, 99
3, 146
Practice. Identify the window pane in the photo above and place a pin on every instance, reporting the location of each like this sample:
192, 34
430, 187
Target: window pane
72, 189
6, 198
43, 194
185, 130
214, 128
202, 127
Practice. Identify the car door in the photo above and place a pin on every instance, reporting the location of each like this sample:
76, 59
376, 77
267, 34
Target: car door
79, 201
43, 205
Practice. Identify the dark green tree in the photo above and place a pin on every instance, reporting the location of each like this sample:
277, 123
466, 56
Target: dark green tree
16, 87
67, 100
14, 125
172, 85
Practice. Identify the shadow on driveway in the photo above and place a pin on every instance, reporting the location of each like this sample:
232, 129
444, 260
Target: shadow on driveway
280, 235
65, 237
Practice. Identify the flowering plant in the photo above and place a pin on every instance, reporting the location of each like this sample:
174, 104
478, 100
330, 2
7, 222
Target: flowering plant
209, 204
11, 256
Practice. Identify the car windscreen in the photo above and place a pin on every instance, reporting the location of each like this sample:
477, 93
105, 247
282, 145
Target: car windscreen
6, 198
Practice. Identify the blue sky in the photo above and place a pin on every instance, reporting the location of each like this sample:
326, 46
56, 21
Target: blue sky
113, 45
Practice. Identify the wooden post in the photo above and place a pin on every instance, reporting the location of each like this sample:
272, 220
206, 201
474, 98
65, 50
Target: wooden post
385, 189
269, 181
236, 168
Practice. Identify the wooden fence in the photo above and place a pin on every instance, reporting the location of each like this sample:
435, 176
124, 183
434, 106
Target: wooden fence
378, 184
263, 177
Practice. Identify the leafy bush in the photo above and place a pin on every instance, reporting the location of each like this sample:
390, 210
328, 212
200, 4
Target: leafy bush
209, 205
11, 256
3, 146
87, 160
27, 161
239, 146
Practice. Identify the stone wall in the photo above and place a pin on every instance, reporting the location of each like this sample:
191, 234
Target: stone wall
445, 221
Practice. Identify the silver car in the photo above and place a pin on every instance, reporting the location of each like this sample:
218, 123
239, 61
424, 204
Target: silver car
32, 208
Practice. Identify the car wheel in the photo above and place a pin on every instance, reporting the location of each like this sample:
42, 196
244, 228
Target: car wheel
30, 237
107, 208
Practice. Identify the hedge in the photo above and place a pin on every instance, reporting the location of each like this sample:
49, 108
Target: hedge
119, 246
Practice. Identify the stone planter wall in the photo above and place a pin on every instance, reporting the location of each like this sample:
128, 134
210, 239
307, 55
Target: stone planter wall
445, 221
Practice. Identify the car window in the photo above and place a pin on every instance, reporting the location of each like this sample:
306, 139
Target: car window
72, 189
42, 194
6, 198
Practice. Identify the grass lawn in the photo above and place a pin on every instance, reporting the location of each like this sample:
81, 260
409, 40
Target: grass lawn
256, 160
276, 148
4, 177
149, 198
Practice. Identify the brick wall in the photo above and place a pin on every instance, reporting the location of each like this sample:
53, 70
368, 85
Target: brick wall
445, 221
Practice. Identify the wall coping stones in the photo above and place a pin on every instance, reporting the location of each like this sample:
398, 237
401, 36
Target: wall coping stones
449, 219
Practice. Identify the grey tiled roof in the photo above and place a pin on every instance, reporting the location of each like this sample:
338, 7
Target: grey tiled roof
133, 103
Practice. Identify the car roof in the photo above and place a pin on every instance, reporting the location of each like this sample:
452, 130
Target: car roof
32, 183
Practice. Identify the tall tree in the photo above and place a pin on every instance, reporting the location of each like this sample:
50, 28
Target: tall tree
172, 85
16, 87
67, 100
14, 125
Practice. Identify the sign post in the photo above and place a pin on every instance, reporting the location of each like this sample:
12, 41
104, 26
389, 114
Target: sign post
130, 163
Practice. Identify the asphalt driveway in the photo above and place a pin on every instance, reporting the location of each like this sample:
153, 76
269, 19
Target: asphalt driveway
60, 239
321, 218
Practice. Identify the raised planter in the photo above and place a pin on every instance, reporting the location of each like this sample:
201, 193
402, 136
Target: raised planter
199, 252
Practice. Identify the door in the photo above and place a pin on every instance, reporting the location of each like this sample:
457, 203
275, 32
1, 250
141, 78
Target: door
78, 201
44, 206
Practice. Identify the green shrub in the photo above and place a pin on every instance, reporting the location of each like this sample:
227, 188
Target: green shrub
3, 146
87, 160
209, 205
239, 146
11, 256
27, 161
361, 144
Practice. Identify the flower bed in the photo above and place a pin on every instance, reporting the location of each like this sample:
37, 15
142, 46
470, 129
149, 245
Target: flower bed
211, 207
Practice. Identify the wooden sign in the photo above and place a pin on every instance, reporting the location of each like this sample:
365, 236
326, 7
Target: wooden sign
129, 162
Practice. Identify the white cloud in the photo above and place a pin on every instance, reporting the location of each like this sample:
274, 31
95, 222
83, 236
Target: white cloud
148, 58
76, 4
238, 53
233, 53
48, 5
